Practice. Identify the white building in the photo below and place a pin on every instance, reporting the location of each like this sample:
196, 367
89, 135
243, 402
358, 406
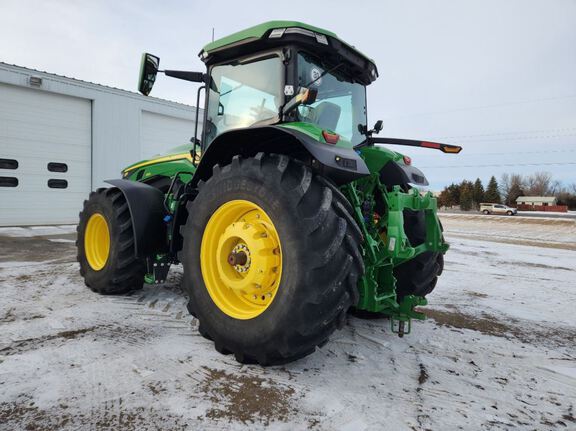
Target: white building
537, 200
60, 138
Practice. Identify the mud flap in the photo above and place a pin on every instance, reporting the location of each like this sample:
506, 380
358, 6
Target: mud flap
146, 205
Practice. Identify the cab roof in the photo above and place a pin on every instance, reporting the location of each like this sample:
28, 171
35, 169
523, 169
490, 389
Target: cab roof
280, 33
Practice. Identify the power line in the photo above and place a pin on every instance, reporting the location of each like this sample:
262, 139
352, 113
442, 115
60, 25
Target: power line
473, 108
515, 153
527, 132
499, 165
520, 138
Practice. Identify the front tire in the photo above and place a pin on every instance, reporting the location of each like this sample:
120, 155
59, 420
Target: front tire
303, 249
105, 244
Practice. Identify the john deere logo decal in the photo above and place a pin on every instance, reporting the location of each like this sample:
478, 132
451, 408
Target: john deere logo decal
315, 74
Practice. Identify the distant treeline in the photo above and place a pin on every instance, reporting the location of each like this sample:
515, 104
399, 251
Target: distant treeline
468, 195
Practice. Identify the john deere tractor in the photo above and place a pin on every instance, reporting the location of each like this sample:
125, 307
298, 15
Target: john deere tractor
285, 210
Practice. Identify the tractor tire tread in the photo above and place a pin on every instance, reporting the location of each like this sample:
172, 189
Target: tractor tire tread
332, 257
123, 272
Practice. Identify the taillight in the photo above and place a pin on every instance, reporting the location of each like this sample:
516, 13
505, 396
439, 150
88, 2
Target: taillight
407, 160
329, 137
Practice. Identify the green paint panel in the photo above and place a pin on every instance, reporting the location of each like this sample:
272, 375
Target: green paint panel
377, 157
171, 152
260, 30
165, 169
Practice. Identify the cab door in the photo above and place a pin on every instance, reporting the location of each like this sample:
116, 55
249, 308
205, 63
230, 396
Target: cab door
499, 209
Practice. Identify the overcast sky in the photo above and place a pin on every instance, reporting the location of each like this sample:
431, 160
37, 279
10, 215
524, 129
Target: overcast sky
495, 76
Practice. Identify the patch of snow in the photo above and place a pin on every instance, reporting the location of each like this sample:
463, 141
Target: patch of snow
554, 213
32, 231
569, 372
62, 240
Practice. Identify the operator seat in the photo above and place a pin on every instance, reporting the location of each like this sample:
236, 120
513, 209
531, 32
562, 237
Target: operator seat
327, 115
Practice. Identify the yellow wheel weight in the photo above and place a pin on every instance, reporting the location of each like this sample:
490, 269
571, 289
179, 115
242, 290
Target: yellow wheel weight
97, 241
241, 259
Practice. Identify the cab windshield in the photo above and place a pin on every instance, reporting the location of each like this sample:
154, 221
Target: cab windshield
340, 104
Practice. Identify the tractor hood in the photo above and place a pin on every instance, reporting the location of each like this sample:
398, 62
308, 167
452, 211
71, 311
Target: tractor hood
176, 153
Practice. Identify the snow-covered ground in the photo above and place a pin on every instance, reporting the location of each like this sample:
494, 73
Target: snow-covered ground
34, 231
498, 351
541, 232
547, 213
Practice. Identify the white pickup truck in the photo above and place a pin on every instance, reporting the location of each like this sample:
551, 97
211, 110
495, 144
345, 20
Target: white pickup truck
497, 209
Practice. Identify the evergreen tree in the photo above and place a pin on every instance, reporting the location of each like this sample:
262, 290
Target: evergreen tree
453, 191
492, 195
466, 195
478, 193
444, 198
514, 193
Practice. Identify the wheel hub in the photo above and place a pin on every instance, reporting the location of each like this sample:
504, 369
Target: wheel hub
97, 241
240, 259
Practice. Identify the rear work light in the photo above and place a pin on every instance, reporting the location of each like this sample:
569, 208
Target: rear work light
329, 137
430, 145
407, 160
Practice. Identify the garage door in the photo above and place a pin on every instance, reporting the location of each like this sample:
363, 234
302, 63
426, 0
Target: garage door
159, 133
45, 156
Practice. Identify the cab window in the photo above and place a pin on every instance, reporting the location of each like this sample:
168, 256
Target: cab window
244, 94
340, 104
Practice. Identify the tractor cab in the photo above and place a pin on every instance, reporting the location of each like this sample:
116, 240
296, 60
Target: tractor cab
254, 75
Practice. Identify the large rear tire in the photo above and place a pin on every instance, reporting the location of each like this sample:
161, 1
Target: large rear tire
271, 259
105, 243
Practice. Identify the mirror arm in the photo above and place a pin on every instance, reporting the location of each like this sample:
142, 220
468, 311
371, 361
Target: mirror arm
196, 141
185, 75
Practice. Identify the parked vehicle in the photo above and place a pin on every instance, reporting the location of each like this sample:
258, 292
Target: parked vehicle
284, 213
497, 209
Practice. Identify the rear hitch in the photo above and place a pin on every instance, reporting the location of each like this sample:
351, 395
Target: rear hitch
157, 269
401, 321
399, 326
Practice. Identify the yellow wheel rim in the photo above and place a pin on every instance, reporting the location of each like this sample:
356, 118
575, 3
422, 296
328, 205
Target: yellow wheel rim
97, 241
241, 259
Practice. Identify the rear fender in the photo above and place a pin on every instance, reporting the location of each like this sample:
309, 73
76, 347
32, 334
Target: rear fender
146, 205
391, 167
341, 165
394, 173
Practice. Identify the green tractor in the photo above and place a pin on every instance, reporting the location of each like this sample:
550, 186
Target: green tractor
284, 211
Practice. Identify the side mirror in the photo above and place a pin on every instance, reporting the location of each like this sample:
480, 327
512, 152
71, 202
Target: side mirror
363, 129
148, 71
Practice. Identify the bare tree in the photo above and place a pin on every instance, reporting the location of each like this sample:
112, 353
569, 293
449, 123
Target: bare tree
511, 186
539, 184
556, 187
505, 184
